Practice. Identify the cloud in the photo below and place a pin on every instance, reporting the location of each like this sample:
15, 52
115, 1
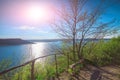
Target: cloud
26, 27
43, 32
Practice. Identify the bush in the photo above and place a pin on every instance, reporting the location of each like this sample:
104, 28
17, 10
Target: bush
113, 50
104, 53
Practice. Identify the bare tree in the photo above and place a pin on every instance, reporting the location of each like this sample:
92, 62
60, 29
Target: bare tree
77, 24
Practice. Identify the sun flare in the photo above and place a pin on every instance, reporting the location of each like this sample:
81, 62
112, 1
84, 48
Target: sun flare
38, 13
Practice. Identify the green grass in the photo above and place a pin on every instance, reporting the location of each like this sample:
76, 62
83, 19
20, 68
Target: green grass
43, 71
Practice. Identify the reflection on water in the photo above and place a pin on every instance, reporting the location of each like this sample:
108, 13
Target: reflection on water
38, 49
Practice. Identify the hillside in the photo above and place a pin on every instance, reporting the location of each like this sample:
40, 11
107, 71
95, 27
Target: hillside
15, 41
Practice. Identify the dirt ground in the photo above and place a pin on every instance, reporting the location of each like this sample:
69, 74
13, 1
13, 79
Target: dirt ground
111, 72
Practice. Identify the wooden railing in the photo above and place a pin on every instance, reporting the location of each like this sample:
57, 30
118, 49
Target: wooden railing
32, 62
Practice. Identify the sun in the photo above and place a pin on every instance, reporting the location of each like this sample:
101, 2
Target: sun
38, 13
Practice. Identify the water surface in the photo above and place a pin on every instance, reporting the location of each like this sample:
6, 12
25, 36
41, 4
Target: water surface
18, 54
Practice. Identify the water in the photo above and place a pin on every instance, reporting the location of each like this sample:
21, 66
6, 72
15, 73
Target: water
17, 54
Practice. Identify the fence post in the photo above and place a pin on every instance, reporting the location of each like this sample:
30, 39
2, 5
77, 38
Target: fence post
56, 66
32, 70
68, 60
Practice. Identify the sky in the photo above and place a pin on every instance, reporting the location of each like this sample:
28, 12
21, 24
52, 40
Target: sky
30, 19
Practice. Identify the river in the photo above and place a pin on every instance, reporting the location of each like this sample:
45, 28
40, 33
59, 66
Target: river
14, 55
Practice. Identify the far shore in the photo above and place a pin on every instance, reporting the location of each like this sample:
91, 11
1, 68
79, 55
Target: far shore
15, 41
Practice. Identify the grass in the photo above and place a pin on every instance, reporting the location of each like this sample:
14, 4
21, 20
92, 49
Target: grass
43, 71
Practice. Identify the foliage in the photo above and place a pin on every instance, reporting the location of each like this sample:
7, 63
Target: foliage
104, 53
22, 73
113, 50
43, 71
6, 63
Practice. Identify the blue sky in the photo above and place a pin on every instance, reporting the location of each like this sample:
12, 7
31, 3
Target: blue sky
15, 24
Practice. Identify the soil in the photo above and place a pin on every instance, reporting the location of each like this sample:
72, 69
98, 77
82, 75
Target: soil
111, 72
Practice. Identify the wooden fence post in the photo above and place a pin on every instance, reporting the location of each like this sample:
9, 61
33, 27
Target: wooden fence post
32, 70
56, 66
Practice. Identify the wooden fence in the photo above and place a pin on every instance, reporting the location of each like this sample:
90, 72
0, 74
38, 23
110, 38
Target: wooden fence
32, 62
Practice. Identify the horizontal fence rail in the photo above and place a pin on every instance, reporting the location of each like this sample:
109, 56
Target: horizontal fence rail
32, 66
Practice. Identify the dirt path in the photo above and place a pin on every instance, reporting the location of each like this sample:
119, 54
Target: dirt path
107, 72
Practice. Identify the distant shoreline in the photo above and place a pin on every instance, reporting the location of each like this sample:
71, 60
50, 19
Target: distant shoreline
16, 41
55, 40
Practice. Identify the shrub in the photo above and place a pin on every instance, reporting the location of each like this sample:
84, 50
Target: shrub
103, 53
